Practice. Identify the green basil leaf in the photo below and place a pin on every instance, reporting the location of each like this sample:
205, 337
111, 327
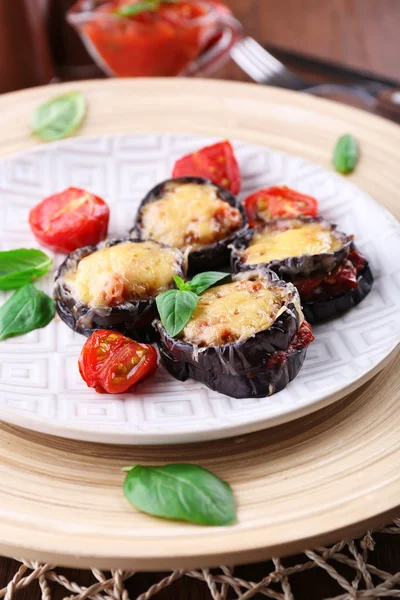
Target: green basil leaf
59, 117
203, 281
346, 154
182, 492
175, 308
180, 284
27, 309
20, 266
131, 10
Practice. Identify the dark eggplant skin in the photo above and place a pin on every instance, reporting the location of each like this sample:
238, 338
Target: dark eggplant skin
263, 383
216, 254
238, 358
320, 311
132, 319
302, 265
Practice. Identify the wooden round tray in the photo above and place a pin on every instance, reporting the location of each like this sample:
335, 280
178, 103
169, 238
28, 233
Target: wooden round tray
328, 475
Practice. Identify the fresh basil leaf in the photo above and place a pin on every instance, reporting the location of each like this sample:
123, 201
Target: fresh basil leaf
182, 492
59, 117
131, 10
20, 266
180, 284
346, 154
203, 281
27, 309
175, 308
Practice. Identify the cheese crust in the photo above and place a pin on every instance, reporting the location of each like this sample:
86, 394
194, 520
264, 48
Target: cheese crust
122, 273
306, 239
189, 214
234, 312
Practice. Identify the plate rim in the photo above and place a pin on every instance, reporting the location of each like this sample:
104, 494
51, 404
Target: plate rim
194, 436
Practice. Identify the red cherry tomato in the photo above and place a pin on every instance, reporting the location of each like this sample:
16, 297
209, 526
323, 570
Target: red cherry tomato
216, 163
69, 220
278, 202
113, 363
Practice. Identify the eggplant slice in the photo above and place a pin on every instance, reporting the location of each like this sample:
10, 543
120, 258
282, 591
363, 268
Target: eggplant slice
240, 368
198, 206
329, 308
134, 315
283, 237
264, 383
296, 268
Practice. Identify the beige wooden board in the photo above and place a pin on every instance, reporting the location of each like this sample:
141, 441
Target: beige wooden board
326, 476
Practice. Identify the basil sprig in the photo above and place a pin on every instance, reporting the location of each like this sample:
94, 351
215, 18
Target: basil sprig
131, 10
183, 492
177, 306
27, 309
346, 154
20, 266
59, 117
201, 282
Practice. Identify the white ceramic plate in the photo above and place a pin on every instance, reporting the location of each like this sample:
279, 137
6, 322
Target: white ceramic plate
40, 387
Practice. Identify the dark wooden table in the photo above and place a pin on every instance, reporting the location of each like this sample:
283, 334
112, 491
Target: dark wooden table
357, 34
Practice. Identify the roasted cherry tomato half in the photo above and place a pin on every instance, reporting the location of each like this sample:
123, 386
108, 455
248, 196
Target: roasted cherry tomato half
112, 363
278, 202
216, 163
69, 220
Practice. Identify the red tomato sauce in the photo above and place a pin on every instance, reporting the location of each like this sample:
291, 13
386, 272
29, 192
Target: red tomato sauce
303, 338
341, 280
161, 42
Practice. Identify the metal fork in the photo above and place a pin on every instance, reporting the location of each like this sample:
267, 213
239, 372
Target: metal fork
264, 68
261, 66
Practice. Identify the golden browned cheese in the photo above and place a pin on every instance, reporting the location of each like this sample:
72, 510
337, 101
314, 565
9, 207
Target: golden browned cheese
232, 312
189, 215
122, 272
311, 238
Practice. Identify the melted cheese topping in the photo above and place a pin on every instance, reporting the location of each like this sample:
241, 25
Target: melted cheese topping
233, 312
311, 238
123, 272
189, 214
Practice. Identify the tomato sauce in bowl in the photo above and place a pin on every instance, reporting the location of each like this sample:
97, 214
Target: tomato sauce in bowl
163, 41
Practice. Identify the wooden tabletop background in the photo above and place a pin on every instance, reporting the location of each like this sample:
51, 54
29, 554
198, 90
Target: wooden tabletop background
357, 34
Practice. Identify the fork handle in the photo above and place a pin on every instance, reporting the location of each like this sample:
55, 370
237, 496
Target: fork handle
288, 80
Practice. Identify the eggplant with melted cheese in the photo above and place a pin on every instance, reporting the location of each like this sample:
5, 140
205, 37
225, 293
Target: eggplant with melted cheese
245, 338
292, 247
322, 262
114, 286
192, 213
